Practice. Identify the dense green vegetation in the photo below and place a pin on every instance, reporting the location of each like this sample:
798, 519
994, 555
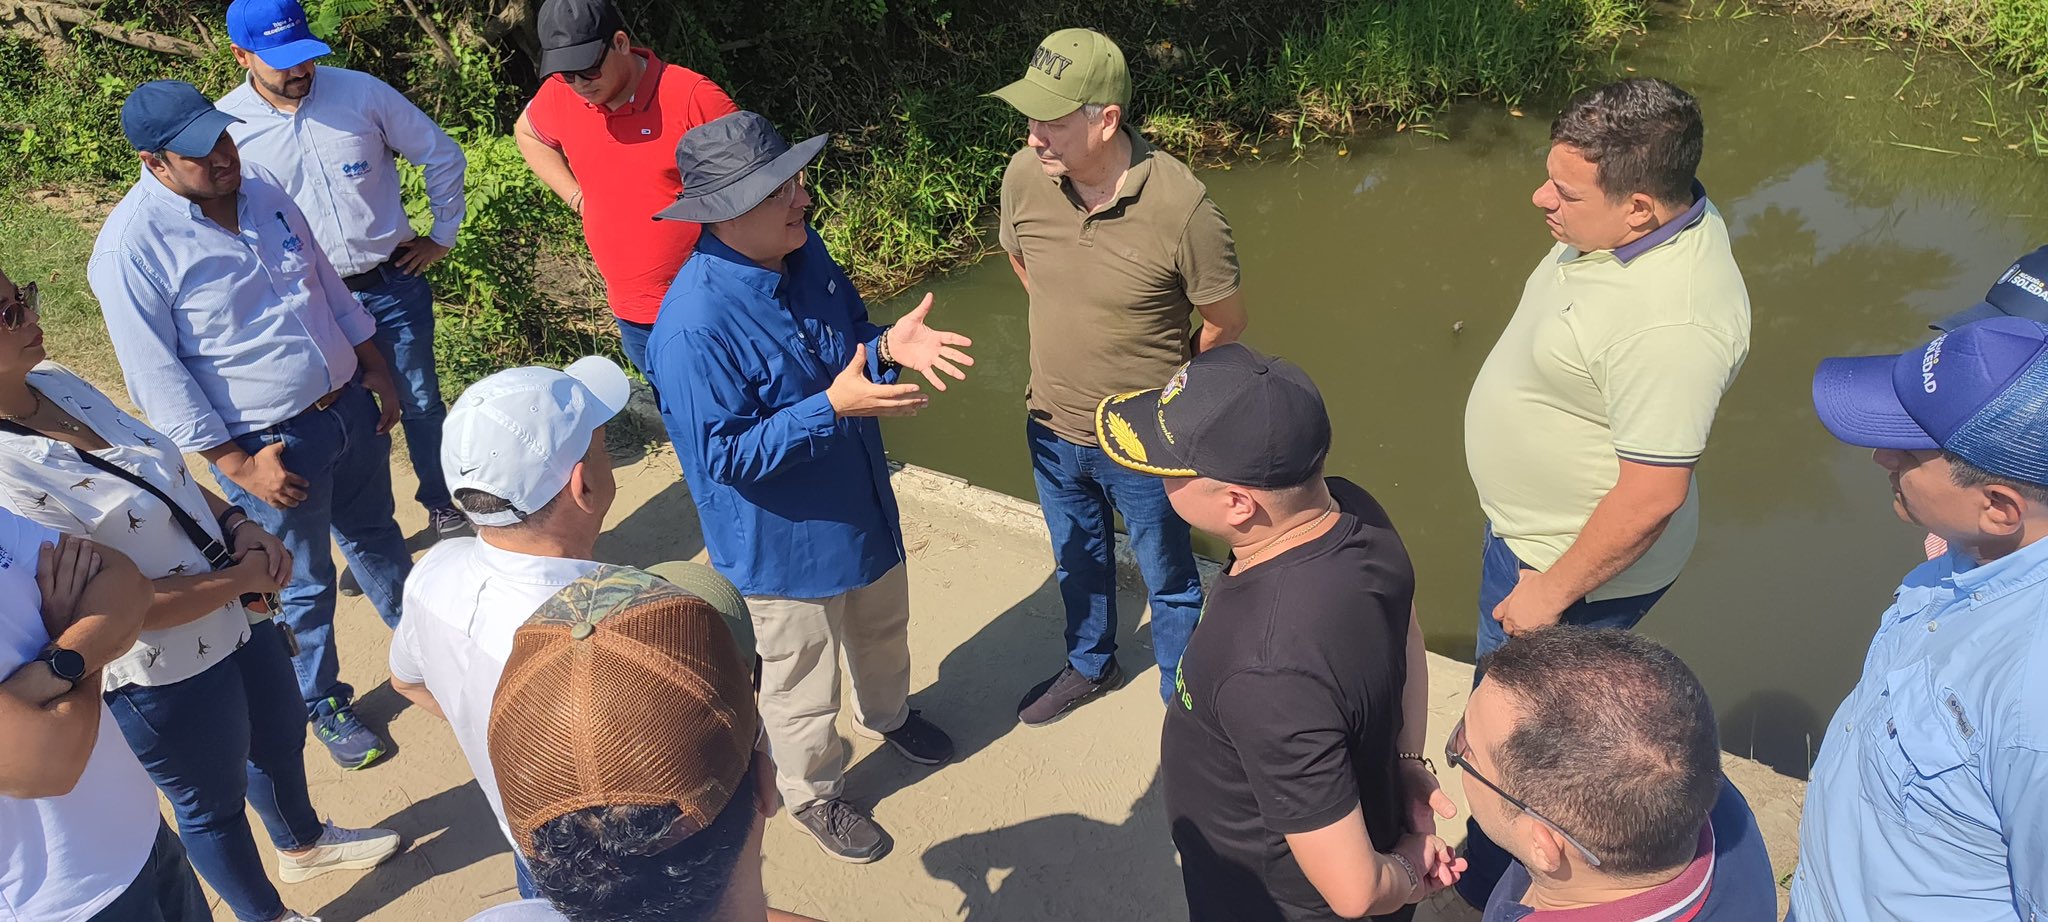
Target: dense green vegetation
916, 151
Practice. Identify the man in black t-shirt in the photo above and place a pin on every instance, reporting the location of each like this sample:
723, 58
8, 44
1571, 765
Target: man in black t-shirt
1292, 753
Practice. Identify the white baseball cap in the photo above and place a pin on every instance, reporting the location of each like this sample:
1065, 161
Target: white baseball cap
519, 433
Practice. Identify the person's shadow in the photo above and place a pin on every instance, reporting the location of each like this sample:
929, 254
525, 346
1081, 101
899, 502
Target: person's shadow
663, 528
1066, 866
974, 699
468, 834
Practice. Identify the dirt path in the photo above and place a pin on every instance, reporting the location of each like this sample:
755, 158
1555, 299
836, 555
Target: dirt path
1058, 823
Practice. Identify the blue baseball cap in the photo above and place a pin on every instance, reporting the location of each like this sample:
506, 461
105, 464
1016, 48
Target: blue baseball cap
275, 30
2021, 292
1979, 391
172, 115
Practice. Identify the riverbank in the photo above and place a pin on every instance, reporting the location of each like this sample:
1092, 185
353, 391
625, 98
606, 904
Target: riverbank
1059, 822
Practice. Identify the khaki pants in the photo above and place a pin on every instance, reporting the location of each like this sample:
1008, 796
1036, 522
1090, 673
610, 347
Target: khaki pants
800, 642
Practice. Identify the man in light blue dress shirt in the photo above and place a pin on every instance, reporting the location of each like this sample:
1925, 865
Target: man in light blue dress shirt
239, 341
1930, 797
329, 135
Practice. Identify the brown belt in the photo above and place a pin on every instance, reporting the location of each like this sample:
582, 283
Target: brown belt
327, 401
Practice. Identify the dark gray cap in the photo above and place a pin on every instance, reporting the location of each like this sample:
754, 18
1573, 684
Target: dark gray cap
574, 33
731, 163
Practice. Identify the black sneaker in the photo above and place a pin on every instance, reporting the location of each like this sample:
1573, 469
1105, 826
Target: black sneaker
920, 740
449, 523
348, 585
842, 831
1049, 700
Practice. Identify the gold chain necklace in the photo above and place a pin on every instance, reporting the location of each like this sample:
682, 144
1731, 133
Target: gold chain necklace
68, 425
1292, 532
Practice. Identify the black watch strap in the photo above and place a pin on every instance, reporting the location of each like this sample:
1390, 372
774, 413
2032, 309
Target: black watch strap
229, 513
66, 664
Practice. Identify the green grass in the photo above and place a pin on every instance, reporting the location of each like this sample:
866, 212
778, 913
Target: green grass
2010, 35
50, 248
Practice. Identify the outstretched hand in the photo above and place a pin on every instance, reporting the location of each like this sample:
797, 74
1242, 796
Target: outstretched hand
852, 394
912, 344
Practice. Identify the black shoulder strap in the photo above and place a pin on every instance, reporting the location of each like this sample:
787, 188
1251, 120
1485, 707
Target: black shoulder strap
216, 554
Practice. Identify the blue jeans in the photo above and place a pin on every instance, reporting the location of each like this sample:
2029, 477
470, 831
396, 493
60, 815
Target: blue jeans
1499, 570
229, 734
522, 878
633, 336
163, 891
403, 306
1079, 488
347, 467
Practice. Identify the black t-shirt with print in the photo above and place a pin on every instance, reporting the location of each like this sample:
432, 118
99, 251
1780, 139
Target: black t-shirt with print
1287, 715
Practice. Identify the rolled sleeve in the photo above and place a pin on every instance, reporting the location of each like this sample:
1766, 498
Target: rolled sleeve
1207, 258
1662, 388
137, 310
1291, 735
422, 142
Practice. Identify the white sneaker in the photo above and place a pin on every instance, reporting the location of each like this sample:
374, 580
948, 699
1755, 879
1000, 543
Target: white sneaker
293, 915
338, 849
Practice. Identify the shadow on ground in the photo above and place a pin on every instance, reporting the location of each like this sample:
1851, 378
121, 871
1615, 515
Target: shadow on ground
974, 699
438, 841
663, 528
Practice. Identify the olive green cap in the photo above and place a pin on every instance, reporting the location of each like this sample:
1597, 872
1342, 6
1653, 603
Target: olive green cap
712, 586
1070, 69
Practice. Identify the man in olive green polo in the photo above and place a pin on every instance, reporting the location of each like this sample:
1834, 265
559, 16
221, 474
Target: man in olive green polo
1586, 420
1119, 248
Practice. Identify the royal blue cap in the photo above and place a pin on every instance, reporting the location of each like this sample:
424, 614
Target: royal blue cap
172, 115
1980, 391
2021, 292
275, 30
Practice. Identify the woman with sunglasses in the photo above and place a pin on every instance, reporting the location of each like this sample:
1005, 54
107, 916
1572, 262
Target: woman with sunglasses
206, 697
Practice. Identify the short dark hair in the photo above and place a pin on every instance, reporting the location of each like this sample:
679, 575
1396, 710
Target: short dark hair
1616, 743
1643, 135
589, 866
1965, 474
479, 502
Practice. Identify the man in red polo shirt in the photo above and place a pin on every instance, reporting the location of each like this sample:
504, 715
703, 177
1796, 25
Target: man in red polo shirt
602, 133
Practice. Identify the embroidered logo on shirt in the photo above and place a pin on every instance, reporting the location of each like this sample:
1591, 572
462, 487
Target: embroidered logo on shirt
357, 169
293, 244
6, 558
1962, 721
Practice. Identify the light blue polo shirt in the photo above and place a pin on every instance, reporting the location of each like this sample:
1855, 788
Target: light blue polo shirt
1930, 798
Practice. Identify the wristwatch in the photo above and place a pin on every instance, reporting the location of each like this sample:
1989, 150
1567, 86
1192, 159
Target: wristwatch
66, 664
229, 513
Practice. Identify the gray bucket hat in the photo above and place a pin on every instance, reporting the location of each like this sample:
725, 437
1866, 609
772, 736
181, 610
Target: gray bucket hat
731, 163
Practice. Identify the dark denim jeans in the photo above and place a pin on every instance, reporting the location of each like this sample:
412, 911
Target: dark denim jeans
403, 306
163, 891
348, 467
1079, 489
229, 734
1499, 570
633, 336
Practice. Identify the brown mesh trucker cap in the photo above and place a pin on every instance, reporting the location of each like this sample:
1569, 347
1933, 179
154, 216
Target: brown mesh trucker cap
622, 690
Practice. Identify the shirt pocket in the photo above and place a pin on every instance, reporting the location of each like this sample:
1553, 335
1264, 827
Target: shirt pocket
286, 248
1916, 751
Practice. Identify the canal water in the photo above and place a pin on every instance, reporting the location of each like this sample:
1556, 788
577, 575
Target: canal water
1860, 208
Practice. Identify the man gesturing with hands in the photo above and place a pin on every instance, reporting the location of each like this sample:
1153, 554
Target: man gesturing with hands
771, 375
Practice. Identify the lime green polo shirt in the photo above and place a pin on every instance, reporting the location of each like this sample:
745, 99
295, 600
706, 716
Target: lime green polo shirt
1611, 354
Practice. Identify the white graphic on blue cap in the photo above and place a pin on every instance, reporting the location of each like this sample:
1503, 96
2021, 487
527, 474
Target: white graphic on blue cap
1928, 360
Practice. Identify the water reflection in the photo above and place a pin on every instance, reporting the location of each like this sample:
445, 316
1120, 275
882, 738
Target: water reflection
1362, 267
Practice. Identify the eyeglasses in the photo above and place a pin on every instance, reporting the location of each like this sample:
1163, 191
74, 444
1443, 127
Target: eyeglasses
15, 313
590, 73
787, 189
1455, 751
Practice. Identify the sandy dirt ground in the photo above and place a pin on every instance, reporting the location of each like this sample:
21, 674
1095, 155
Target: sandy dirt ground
1063, 822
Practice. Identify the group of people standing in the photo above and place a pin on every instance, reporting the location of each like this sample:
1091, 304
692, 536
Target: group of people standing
262, 287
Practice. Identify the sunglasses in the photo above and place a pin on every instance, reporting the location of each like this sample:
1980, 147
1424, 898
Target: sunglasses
1455, 752
15, 313
590, 73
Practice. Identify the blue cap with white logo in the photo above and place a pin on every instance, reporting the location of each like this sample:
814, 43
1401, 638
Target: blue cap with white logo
2021, 292
275, 30
172, 115
1979, 391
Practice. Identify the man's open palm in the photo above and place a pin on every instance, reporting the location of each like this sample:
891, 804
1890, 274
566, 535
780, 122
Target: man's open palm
912, 344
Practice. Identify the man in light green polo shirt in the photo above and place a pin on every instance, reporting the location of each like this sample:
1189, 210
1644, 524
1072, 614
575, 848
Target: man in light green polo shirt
1585, 422
1120, 248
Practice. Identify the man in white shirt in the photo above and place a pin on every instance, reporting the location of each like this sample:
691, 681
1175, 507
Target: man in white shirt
524, 452
329, 135
80, 837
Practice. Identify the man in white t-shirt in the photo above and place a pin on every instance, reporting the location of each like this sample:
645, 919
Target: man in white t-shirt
524, 454
80, 837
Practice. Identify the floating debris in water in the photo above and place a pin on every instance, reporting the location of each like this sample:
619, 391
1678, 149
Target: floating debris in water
1343, 151
1848, 97
1458, 326
1515, 112
1971, 139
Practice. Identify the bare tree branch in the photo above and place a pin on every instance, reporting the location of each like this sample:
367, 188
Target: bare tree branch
56, 20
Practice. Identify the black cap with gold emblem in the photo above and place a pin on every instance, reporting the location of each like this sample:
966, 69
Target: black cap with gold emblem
1231, 414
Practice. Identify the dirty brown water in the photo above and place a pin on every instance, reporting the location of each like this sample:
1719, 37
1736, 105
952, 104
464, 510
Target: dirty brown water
1362, 268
